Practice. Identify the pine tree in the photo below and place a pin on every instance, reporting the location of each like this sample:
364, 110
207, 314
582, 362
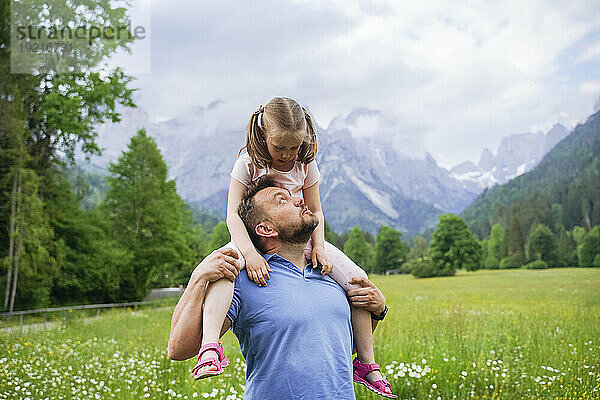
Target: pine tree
191, 249
341, 239
557, 216
198, 242
145, 211
357, 249
330, 235
390, 250
453, 246
514, 241
496, 249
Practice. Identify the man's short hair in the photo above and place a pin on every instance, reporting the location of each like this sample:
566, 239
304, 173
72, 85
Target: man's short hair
253, 214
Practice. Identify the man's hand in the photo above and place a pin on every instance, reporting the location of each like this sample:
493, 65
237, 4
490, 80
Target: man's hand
218, 264
367, 297
257, 268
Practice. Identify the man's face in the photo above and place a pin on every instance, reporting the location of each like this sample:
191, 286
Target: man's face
291, 218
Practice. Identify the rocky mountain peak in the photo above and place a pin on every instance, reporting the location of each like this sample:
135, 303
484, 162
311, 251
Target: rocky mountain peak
515, 155
486, 161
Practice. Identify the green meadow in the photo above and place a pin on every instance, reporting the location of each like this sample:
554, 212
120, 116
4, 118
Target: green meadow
507, 334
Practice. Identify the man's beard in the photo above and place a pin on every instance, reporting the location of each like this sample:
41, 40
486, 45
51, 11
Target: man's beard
299, 233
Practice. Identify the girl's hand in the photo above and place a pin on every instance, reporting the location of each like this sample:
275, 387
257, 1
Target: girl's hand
257, 268
319, 258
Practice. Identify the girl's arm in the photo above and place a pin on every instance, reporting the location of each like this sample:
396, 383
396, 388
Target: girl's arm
313, 202
256, 266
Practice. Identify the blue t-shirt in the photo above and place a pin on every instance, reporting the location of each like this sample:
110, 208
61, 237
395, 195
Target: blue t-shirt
295, 334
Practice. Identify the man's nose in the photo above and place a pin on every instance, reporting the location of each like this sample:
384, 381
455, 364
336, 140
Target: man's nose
298, 201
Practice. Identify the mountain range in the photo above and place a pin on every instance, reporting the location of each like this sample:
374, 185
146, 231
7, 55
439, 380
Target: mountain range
516, 155
366, 179
562, 191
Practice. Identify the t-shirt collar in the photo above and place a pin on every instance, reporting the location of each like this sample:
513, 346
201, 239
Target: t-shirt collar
276, 256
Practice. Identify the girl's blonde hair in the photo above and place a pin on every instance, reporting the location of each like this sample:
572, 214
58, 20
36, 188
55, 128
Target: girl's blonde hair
280, 116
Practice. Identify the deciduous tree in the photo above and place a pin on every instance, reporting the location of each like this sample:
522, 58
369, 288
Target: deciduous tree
541, 245
390, 250
453, 246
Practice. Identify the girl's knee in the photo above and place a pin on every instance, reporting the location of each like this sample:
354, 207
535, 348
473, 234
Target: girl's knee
361, 273
233, 247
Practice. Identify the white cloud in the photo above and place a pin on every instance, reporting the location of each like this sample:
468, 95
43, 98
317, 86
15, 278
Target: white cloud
404, 137
470, 73
591, 86
591, 53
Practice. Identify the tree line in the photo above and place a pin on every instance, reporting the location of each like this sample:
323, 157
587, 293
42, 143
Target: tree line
141, 235
453, 246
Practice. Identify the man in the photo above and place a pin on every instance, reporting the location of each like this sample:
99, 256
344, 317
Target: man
295, 333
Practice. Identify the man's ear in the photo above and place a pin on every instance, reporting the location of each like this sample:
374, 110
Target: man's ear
264, 229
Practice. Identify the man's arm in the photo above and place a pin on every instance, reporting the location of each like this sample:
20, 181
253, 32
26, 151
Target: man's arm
368, 297
186, 322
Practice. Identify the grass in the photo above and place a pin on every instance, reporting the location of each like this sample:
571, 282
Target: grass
507, 334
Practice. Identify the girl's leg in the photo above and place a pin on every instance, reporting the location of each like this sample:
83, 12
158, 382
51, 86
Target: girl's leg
343, 270
216, 304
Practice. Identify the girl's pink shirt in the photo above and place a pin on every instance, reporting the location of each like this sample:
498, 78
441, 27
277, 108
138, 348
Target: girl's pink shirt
301, 176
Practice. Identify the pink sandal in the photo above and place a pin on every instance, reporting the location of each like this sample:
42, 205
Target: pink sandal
361, 370
220, 363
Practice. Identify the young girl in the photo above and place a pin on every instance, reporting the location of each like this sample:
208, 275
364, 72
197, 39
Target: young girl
281, 141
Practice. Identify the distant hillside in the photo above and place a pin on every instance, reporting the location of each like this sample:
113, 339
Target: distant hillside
563, 189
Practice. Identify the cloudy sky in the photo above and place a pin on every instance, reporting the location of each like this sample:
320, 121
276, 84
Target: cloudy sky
450, 78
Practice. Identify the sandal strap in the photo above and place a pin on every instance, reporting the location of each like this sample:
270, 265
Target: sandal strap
363, 369
211, 346
208, 361
217, 348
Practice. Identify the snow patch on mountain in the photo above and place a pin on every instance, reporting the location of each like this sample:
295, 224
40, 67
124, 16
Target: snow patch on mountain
330, 189
381, 200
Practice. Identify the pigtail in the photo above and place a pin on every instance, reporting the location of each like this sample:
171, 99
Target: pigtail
256, 144
308, 149
281, 115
